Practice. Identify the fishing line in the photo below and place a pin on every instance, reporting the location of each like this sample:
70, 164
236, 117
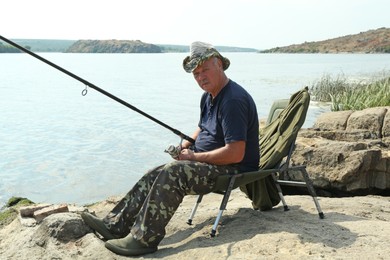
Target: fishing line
88, 84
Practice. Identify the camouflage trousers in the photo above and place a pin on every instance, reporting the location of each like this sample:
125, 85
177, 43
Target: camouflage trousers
150, 204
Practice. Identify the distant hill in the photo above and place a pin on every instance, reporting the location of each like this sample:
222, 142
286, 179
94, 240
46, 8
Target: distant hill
6, 48
186, 48
123, 46
47, 45
234, 49
113, 46
41, 45
372, 41
36, 45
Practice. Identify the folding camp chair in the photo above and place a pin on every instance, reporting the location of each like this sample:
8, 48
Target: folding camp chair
277, 143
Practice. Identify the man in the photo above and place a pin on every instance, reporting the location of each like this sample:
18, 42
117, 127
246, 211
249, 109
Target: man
226, 141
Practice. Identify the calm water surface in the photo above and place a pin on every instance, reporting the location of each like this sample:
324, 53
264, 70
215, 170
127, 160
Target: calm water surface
59, 146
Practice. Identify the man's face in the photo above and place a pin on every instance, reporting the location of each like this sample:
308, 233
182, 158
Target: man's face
208, 74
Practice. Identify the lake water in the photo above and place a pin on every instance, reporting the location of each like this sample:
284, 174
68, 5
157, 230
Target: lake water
59, 146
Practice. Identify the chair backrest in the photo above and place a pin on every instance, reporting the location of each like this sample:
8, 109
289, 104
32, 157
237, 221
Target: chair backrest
277, 107
276, 140
278, 136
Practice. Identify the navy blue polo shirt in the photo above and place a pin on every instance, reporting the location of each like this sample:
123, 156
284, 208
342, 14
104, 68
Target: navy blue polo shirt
231, 116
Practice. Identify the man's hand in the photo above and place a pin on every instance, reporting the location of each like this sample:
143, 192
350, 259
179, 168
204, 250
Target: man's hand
229, 154
186, 154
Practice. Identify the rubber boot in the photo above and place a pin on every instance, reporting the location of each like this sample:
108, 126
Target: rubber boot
98, 225
129, 246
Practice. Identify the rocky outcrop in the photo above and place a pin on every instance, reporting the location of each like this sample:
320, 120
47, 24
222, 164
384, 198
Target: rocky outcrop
347, 152
372, 41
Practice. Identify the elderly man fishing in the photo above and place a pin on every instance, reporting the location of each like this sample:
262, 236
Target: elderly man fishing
226, 141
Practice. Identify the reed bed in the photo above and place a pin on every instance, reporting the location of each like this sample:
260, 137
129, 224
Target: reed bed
343, 94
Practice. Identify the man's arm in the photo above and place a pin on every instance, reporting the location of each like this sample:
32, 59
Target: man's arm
186, 144
231, 153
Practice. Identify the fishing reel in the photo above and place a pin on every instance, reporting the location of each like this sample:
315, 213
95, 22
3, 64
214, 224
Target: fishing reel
173, 151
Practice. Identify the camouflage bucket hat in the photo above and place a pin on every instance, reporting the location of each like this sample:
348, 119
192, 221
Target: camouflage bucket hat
199, 53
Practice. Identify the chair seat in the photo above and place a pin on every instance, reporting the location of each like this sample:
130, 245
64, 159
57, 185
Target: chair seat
223, 180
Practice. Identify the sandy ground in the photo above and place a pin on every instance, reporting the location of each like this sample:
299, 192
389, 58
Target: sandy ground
353, 228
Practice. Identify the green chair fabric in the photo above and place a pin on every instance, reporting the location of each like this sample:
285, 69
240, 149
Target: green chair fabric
276, 139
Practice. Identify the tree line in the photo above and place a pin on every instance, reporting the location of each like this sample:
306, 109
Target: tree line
8, 49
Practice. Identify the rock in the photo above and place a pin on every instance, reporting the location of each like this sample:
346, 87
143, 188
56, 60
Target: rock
386, 124
63, 227
27, 222
28, 211
40, 214
333, 121
370, 119
30, 216
347, 153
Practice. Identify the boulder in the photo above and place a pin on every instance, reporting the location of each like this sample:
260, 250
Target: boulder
386, 124
63, 227
347, 152
370, 119
333, 121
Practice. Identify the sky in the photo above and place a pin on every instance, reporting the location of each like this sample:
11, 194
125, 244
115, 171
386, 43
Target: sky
259, 24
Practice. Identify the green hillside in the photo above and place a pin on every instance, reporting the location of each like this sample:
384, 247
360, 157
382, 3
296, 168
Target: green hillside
40, 45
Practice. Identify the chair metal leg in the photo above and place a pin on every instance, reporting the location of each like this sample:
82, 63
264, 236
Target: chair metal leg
307, 183
189, 221
216, 222
312, 191
280, 192
223, 205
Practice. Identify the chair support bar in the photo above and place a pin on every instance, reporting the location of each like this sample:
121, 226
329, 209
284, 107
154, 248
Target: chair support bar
292, 183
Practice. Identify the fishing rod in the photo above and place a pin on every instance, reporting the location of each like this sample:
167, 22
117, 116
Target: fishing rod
88, 84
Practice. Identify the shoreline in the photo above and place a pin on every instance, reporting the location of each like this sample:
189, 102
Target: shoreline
353, 228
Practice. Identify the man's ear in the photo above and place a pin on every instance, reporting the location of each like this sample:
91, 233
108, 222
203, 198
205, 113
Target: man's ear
220, 64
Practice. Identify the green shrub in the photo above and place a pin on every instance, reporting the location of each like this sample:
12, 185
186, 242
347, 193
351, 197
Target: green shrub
344, 95
327, 88
10, 212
